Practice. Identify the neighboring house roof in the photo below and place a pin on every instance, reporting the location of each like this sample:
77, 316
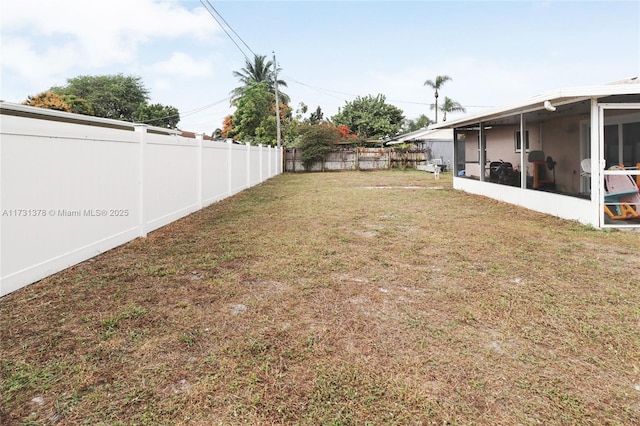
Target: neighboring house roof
192, 135
423, 135
630, 86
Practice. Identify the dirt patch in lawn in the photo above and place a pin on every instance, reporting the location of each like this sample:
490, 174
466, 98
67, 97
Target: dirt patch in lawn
336, 298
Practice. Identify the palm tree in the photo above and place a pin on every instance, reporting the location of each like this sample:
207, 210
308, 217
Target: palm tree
440, 80
259, 71
449, 105
421, 122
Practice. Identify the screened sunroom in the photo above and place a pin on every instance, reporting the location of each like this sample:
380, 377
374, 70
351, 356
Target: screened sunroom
572, 153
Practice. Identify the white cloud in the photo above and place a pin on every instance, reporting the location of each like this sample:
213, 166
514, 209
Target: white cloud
43, 69
184, 65
70, 35
128, 20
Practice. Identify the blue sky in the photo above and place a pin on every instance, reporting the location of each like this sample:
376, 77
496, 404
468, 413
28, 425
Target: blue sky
496, 52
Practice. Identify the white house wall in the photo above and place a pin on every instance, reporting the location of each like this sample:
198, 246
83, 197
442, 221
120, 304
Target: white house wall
501, 144
571, 208
561, 141
558, 138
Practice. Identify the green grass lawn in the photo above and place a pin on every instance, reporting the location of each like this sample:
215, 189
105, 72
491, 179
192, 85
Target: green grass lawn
353, 298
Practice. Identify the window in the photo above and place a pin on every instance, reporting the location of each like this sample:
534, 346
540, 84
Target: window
517, 141
622, 138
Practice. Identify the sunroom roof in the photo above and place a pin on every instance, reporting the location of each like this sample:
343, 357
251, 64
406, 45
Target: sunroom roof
555, 98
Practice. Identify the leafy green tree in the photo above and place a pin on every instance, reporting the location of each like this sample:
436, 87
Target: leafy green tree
258, 71
370, 117
450, 105
109, 96
266, 131
254, 120
316, 117
291, 124
301, 111
78, 105
436, 85
117, 97
158, 115
316, 141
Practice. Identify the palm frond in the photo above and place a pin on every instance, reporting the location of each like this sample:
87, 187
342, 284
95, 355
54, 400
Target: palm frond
259, 71
439, 81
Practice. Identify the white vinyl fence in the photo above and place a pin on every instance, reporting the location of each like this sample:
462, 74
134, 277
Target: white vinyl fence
73, 186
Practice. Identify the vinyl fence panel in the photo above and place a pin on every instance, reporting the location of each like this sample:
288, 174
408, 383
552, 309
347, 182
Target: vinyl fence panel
74, 186
239, 168
215, 171
170, 179
255, 171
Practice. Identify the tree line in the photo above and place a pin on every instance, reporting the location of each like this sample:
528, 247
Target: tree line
365, 118
368, 117
118, 97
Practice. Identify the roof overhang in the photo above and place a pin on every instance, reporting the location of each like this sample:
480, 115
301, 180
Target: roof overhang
423, 135
552, 100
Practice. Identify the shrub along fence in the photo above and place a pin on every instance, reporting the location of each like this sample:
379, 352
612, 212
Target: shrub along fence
359, 158
74, 186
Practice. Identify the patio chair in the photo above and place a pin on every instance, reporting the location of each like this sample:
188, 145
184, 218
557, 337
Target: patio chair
622, 197
501, 172
585, 166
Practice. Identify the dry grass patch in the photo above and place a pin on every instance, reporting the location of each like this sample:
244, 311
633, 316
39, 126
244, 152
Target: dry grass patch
337, 298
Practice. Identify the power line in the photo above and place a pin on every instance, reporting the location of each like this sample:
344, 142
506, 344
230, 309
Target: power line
188, 113
320, 89
200, 109
230, 27
213, 12
329, 93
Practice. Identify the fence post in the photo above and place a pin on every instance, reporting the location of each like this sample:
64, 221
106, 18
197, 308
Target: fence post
357, 156
293, 161
229, 160
1, 279
141, 131
260, 154
248, 165
199, 186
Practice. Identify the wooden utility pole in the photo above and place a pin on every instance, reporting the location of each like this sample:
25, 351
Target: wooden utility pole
275, 72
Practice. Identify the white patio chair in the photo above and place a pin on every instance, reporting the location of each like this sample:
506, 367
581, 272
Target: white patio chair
585, 166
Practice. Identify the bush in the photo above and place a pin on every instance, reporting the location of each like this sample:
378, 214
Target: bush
48, 100
316, 141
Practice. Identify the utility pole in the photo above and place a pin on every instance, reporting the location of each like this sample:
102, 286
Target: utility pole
275, 72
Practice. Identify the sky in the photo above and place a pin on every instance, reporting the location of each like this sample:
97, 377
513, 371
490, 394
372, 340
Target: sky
495, 52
